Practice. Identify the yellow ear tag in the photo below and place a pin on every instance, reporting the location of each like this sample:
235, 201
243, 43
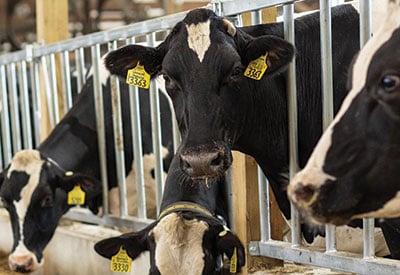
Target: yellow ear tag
138, 77
76, 196
233, 262
121, 262
256, 68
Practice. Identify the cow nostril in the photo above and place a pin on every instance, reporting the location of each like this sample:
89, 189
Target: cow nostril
303, 193
217, 160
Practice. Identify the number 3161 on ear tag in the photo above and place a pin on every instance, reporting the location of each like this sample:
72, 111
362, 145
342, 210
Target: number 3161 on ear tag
138, 77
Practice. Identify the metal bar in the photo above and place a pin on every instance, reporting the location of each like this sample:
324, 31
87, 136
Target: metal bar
137, 147
335, 260
156, 132
5, 117
14, 108
327, 90
36, 100
54, 90
24, 99
98, 97
118, 138
289, 34
49, 94
265, 214
80, 68
66, 80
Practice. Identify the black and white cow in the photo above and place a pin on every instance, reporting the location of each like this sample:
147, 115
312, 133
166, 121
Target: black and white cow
190, 235
218, 108
34, 187
353, 170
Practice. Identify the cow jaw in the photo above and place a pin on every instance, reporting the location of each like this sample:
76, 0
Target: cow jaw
179, 245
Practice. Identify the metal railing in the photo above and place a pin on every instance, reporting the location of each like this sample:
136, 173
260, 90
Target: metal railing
20, 127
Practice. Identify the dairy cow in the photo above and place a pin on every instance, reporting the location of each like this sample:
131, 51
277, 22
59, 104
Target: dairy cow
205, 63
34, 187
190, 235
353, 171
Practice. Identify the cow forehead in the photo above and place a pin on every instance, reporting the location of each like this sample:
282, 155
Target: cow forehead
199, 38
179, 245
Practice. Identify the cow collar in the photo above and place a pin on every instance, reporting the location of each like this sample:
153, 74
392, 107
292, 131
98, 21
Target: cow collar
185, 206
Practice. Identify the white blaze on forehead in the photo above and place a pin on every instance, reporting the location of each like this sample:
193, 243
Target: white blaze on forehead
199, 38
391, 209
104, 73
179, 245
360, 69
29, 162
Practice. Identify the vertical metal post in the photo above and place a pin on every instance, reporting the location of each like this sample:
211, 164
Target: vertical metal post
327, 90
25, 112
365, 34
98, 97
14, 108
36, 102
66, 80
156, 132
49, 91
53, 85
5, 117
137, 147
118, 138
80, 68
289, 34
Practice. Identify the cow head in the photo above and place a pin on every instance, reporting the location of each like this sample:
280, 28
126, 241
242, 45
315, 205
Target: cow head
353, 171
179, 243
203, 61
34, 192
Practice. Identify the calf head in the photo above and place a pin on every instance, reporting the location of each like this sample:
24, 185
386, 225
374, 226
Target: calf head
203, 61
353, 171
179, 243
34, 192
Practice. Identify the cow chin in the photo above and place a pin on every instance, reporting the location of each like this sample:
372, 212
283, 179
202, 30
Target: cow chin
24, 263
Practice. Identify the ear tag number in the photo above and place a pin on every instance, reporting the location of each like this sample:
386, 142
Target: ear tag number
76, 196
256, 68
121, 262
138, 77
233, 262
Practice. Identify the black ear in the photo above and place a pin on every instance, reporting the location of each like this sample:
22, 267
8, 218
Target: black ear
134, 243
90, 185
118, 62
280, 52
226, 244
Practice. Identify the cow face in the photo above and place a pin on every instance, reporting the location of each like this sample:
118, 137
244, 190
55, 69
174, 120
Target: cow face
353, 171
203, 61
179, 244
34, 192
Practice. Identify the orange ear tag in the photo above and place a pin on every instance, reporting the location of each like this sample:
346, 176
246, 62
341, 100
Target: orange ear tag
256, 68
76, 196
138, 77
121, 262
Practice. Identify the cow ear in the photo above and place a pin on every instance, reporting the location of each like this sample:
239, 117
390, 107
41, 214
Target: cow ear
134, 243
227, 242
90, 185
118, 62
279, 52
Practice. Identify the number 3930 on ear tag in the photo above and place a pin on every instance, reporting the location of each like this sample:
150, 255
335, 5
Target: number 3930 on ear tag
138, 77
256, 68
76, 196
121, 262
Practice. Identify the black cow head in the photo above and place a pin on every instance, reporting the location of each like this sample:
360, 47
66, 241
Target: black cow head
34, 191
204, 61
179, 243
354, 170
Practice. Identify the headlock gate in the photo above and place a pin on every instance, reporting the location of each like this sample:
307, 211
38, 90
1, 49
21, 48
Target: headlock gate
24, 74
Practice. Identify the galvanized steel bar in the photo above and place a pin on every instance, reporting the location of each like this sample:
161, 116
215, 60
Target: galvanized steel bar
98, 97
53, 85
14, 108
118, 138
25, 112
34, 65
156, 132
48, 90
137, 147
289, 34
5, 117
66, 80
80, 68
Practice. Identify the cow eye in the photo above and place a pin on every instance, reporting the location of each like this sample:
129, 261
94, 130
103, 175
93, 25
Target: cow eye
47, 201
237, 71
390, 83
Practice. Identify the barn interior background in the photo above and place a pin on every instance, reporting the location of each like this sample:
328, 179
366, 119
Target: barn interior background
18, 25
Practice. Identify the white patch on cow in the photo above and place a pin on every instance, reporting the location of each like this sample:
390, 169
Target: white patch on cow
104, 73
179, 245
312, 174
389, 210
199, 38
23, 257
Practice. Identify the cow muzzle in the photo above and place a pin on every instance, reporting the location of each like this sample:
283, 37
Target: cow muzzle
23, 263
200, 162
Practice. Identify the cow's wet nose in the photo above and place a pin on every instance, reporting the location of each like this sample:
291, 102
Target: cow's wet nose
21, 264
301, 193
203, 164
